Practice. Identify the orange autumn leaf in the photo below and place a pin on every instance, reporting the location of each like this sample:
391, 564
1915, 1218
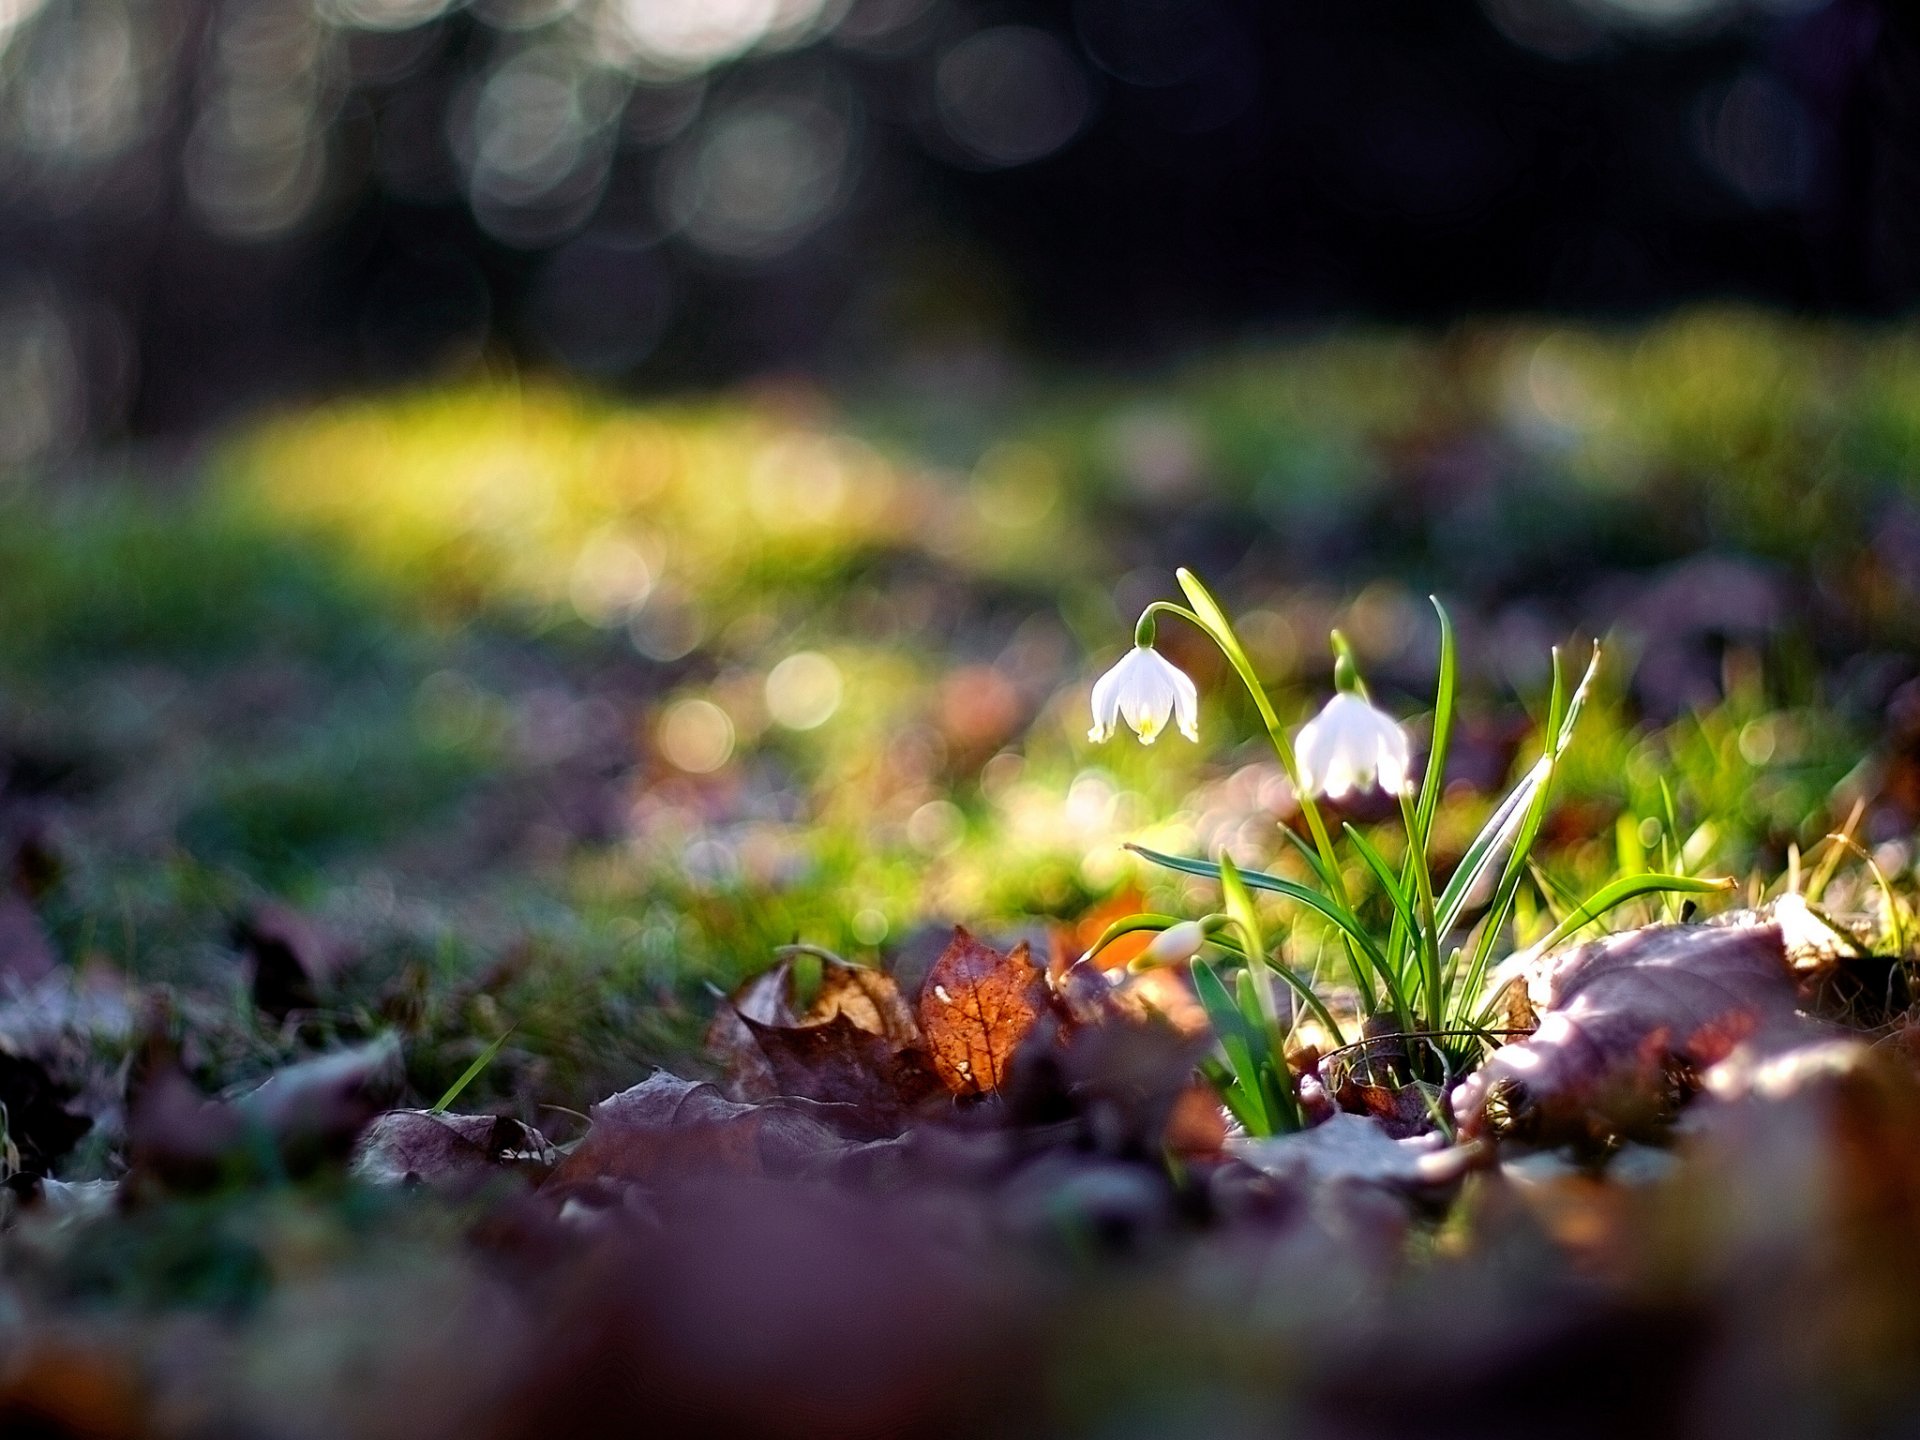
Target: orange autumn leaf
976, 1007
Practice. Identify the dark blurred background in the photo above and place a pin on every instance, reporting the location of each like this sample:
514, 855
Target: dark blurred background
205, 204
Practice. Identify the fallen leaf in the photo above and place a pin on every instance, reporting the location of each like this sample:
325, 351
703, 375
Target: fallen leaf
857, 1044
766, 999
667, 1129
866, 997
1093, 995
327, 1097
404, 1147
1625, 1025
975, 1009
1403, 1110
841, 1063
1131, 1086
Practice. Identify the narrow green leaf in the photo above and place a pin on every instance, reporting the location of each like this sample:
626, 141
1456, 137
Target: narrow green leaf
1382, 872
1222, 1012
1561, 900
1207, 612
1219, 1076
1306, 851
1230, 1030
1563, 714
1239, 905
1246, 994
1300, 987
471, 1073
1488, 845
1629, 887
1443, 703
1629, 855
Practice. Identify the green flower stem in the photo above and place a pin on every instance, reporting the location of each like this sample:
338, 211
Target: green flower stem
1220, 630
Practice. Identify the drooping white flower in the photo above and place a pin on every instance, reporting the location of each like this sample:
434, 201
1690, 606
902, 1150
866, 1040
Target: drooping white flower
1145, 689
1350, 745
1175, 945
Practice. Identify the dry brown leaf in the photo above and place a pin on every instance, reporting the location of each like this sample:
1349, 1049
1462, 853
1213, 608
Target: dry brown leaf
866, 998
857, 1044
1626, 1024
404, 1147
766, 999
840, 1063
977, 1006
666, 1129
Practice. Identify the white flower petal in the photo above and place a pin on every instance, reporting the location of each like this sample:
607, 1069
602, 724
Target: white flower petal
1350, 745
1146, 690
1186, 705
1106, 702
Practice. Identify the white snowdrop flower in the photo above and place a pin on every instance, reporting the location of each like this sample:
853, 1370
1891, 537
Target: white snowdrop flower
1175, 945
1145, 689
1350, 745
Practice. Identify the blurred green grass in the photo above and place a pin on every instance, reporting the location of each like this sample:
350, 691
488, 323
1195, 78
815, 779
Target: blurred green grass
558, 709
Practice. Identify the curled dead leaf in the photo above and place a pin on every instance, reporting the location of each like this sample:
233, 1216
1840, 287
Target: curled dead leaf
857, 1044
840, 1063
867, 999
1626, 1025
765, 999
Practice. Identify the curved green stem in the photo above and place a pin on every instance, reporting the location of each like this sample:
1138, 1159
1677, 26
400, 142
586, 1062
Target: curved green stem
1211, 621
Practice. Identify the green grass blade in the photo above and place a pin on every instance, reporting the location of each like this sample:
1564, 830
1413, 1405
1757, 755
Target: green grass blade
471, 1073
1629, 887
1220, 1076
1239, 905
1443, 703
1382, 872
1231, 1031
1306, 852
1208, 614
1301, 987
1488, 846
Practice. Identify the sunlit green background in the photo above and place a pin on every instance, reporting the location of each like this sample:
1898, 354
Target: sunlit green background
559, 709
